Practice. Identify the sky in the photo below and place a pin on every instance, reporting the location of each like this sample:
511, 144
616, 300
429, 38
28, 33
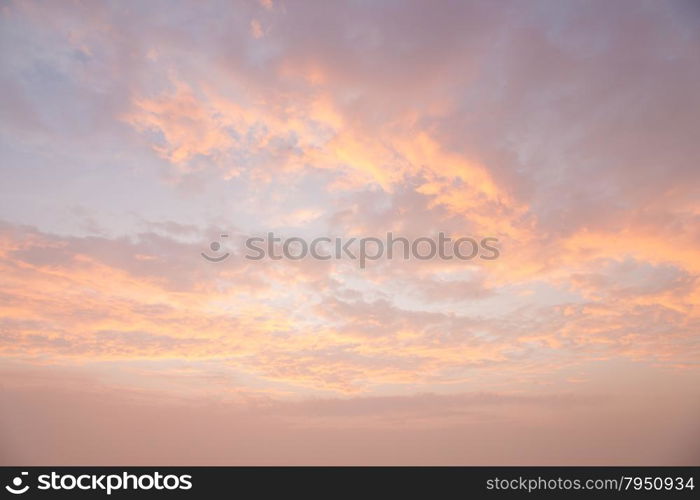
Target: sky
135, 134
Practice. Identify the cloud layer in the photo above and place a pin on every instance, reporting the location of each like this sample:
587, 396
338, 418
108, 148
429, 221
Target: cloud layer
135, 134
